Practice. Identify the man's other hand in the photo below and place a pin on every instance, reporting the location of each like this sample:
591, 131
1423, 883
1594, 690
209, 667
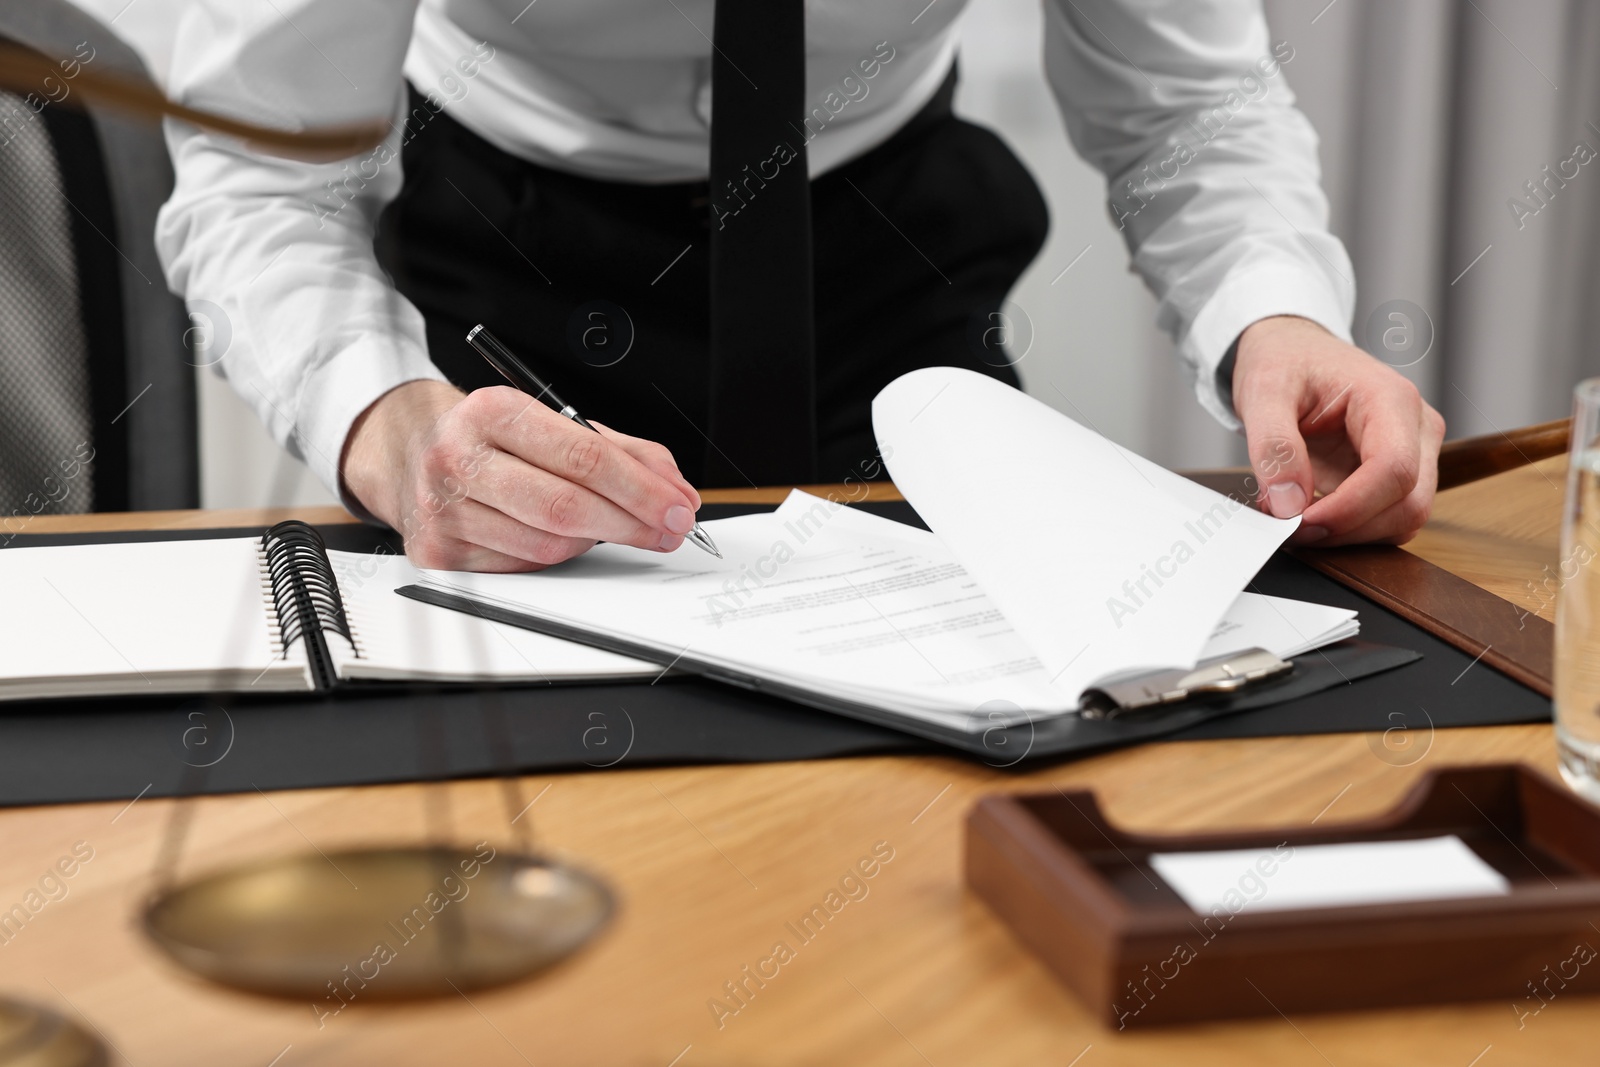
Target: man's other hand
1323, 417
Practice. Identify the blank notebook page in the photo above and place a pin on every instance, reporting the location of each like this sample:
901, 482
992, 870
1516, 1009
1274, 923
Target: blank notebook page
402, 638
137, 611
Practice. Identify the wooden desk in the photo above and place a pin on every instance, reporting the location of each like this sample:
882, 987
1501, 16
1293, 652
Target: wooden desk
713, 862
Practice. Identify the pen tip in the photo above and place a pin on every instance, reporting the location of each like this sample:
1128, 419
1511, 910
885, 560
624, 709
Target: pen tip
703, 539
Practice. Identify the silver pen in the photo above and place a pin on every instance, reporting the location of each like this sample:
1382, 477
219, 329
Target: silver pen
521, 375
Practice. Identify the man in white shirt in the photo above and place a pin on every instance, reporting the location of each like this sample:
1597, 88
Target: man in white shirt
547, 156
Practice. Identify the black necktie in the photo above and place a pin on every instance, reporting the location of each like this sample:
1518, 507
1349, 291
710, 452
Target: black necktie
762, 422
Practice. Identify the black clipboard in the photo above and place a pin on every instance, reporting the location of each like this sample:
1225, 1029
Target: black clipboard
989, 733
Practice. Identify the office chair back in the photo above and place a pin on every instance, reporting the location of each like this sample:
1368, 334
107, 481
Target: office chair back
97, 392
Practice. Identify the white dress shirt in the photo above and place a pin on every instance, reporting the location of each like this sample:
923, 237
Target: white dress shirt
1212, 170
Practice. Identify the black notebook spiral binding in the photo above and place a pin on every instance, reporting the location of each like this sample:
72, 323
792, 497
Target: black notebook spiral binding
305, 595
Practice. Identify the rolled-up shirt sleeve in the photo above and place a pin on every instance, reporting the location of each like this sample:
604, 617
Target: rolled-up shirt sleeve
1212, 171
275, 256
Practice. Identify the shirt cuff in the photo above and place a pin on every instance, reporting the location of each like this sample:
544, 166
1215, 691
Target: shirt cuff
340, 389
1249, 295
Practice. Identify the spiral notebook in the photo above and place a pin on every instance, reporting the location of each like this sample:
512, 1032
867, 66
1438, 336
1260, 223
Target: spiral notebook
272, 613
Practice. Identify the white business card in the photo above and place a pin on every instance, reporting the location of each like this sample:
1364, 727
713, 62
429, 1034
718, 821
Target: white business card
1318, 876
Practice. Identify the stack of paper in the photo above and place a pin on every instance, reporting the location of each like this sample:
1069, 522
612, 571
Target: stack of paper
1059, 561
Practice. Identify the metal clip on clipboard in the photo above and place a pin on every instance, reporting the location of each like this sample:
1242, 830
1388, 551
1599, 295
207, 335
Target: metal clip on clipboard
1217, 676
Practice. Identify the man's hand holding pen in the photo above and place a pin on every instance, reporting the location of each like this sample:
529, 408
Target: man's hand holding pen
496, 481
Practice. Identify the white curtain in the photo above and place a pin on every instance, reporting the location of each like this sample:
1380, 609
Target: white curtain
1434, 117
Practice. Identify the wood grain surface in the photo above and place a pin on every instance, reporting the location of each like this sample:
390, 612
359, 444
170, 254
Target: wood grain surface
1502, 533
712, 864
1471, 458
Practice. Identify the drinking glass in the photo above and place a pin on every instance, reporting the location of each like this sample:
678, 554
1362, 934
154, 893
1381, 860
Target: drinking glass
1577, 580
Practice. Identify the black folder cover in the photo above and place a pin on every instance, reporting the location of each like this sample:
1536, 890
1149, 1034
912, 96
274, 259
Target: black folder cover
97, 749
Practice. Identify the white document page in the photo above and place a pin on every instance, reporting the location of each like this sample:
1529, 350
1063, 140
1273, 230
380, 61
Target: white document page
829, 598
156, 616
1108, 564
1316, 876
406, 639
1283, 627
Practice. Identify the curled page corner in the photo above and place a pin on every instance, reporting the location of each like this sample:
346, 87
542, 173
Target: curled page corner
1103, 561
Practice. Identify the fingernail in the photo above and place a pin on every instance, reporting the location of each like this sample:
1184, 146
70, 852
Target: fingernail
1286, 499
1308, 535
670, 542
680, 520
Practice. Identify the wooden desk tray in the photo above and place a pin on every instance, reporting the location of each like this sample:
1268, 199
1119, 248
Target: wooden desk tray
1081, 895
